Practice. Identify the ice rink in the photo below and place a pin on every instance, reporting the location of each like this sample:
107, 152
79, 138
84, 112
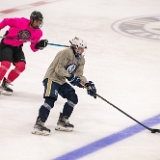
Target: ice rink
123, 60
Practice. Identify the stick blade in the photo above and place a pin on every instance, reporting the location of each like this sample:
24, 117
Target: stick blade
155, 130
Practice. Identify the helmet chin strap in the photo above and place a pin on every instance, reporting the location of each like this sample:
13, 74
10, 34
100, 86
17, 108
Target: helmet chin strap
76, 50
77, 55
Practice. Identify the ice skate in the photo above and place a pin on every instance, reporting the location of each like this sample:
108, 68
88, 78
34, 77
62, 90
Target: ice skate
1, 89
63, 124
4, 88
40, 129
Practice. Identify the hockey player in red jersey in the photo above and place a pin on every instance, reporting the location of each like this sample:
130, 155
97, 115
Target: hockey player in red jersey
20, 31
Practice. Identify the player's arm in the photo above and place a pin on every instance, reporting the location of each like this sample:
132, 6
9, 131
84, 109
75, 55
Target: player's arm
79, 73
89, 85
8, 22
37, 43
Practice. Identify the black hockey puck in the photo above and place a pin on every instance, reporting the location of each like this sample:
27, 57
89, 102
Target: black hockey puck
153, 131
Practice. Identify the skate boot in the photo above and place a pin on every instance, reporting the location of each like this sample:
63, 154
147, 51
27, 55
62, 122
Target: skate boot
63, 124
40, 129
4, 89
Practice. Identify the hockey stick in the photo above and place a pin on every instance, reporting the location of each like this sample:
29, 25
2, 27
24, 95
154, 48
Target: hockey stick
51, 44
150, 129
59, 45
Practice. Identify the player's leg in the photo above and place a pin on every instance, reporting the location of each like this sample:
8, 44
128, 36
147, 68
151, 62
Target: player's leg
50, 96
19, 63
6, 58
67, 92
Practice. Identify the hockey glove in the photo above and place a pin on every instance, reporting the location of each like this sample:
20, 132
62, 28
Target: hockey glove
75, 81
91, 89
41, 44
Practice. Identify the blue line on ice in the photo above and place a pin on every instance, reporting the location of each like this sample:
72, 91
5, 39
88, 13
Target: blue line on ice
109, 140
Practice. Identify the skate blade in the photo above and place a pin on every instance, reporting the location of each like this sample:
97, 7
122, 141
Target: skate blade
3, 92
43, 133
60, 128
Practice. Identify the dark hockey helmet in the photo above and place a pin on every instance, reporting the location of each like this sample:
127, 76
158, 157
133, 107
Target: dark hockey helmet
36, 15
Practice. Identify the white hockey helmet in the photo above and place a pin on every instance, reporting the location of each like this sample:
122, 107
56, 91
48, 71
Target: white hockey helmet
78, 42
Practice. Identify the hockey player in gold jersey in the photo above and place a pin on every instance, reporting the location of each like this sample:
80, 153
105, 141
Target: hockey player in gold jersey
68, 65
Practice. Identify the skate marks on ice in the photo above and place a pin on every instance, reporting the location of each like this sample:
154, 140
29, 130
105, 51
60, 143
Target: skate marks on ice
27, 6
21, 99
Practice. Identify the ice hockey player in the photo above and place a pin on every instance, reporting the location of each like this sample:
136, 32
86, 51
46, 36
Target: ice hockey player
20, 31
67, 64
